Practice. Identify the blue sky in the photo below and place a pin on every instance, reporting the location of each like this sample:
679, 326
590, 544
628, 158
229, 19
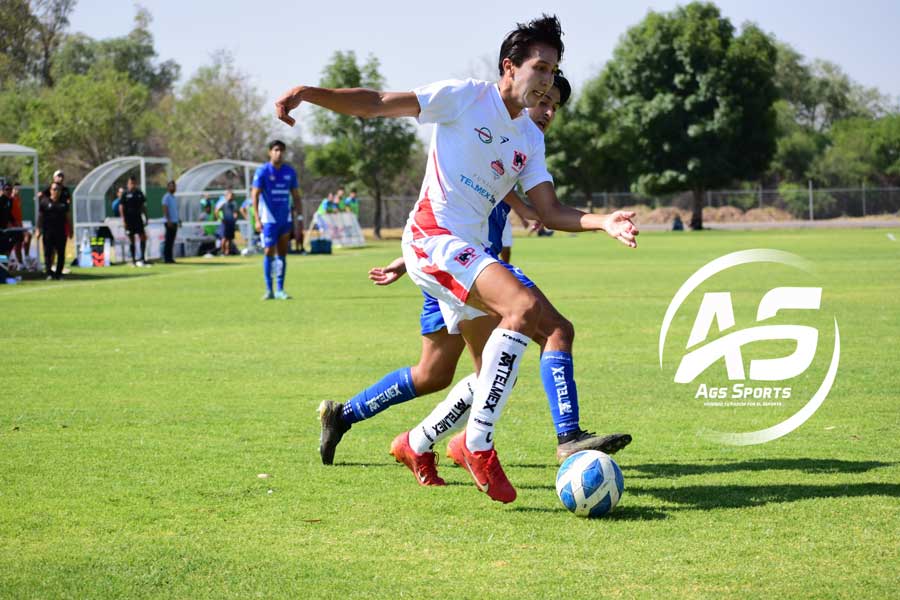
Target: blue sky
287, 43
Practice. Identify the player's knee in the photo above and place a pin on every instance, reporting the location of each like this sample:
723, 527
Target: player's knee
428, 379
563, 331
525, 312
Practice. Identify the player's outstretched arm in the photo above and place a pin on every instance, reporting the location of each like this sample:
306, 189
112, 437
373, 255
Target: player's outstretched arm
357, 102
525, 212
389, 274
557, 215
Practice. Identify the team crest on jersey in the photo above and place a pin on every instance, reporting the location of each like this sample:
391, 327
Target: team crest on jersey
497, 166
518, 162
271, 178
466, 257
485, 135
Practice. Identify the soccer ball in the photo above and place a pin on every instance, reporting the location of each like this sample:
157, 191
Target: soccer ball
589, 483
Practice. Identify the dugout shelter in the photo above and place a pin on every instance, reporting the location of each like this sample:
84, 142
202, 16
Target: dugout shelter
89, 196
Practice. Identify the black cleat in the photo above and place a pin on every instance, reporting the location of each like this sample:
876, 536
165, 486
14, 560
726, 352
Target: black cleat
333, 429
585, 440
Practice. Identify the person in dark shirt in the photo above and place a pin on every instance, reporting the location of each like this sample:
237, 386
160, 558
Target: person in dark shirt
64, 194
133, 210
6, 218
54, 227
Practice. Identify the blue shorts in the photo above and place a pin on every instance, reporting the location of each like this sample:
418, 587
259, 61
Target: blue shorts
271, 232
431, 318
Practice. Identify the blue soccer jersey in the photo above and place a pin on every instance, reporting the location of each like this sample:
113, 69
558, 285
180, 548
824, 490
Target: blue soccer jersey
275, 187
496, 224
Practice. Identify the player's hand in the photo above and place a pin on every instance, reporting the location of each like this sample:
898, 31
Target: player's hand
620, 226
384, 275
288, 102
258, 227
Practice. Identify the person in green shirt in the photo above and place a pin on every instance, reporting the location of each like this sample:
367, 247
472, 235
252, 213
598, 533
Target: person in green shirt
329, 205
351, 203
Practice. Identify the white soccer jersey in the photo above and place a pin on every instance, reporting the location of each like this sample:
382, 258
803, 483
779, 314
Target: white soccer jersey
477, 155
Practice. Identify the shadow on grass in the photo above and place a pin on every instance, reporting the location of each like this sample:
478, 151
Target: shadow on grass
805, 465
708, 497
391, 464
621, 513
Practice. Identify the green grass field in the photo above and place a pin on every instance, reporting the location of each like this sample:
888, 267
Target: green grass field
138, 407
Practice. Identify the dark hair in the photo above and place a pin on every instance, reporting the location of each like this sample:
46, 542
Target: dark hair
274, 143
562, 84
132, 178
517, 45
171, 182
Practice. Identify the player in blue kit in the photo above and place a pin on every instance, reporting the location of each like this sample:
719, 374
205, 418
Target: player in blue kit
275, 195
441, 351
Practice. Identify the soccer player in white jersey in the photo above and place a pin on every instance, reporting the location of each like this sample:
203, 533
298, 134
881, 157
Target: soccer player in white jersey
441, 351
483, 143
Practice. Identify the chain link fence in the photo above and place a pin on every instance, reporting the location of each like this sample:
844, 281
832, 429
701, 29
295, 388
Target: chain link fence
747, 207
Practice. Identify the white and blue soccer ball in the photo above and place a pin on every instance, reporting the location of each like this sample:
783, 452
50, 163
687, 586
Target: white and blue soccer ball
589, 483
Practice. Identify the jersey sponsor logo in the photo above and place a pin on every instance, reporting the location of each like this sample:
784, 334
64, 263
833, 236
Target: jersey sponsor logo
501, 379
503, 139
386, 396
518, 162
479, 189
485, 135
562, 390
497, 166
515, 339
466, 257
446, 424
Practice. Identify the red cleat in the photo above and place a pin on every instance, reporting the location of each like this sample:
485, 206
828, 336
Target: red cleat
423, 466
484, 466
454, 449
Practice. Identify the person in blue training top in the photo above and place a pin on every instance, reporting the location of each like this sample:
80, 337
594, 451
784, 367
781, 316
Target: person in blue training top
441, 351
275, 194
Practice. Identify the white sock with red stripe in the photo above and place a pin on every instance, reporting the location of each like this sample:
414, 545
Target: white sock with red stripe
446, 417
499, 366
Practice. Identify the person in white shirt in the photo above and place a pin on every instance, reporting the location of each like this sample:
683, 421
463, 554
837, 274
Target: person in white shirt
483, 144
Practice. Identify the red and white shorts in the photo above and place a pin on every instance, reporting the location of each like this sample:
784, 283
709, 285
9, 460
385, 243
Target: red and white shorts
446, 267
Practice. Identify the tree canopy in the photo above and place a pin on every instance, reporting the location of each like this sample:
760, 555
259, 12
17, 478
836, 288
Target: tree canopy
373, 152
697, 100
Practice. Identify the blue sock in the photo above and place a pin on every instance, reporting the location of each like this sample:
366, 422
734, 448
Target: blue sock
558, 375
393, 389
267, 270
280, 269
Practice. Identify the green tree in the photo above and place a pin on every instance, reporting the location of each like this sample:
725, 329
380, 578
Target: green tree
862, 150
85, 120
17, 24
797, 147
821, 94
698, 100
216, 114
586, 150
133, 54
374, 152
52, 18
